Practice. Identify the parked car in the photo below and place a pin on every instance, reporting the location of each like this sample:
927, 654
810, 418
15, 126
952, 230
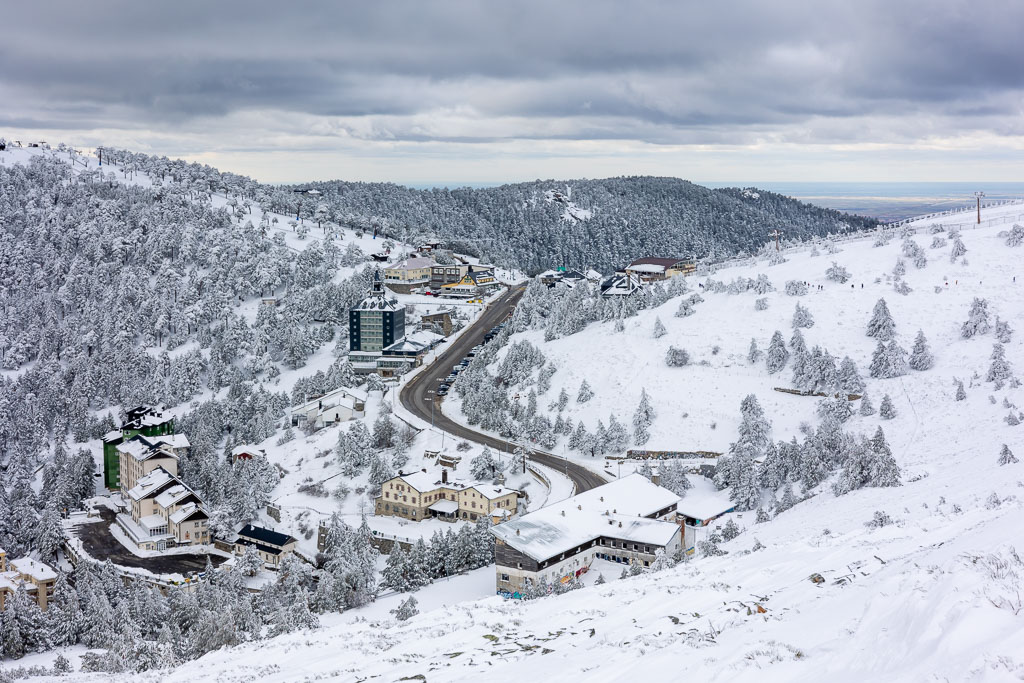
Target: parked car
444, 386
442, 392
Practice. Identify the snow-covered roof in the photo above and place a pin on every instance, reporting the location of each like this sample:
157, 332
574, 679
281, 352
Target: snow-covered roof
405, 345
173, 495
647, 268
111, 436
500, 512
185, 512
578, 520
341, 396
704, 502
492, 491
150, 522
421, 481
246, 448
39, 571
151, 484
172, 440
146, 447
412, 263
445, 506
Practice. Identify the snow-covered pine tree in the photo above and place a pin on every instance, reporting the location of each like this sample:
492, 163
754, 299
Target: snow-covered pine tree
883, 471
673, 477
867, 409
958, 249
616, 437
406, 610
921, 356
1006, 456
754, 354
849, 380
777, 355
999, 370
659, 329
788, 499
881, 325
642, 419
887, 411
395, 574
802, 317
731, 530
977, 319
837, 273
585, 393
1004, 333
961, 394
676, 358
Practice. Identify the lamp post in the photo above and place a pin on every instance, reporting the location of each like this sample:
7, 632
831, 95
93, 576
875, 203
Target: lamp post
978, 195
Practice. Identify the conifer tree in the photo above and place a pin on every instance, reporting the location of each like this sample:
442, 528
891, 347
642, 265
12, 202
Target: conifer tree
659, 329
406, 610
642, 419
867, 409
977, 319
585, 393
802, 317
921, 356
777, 355
754, 354
881, 325
849, 379
999, 370
1006, 456
395, 574
887, 411
961, 394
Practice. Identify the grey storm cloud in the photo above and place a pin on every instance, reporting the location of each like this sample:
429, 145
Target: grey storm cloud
661, 72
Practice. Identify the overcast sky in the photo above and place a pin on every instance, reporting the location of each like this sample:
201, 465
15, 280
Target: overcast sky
478, 92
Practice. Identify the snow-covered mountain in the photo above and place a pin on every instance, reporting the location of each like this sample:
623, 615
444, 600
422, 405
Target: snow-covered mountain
916, 582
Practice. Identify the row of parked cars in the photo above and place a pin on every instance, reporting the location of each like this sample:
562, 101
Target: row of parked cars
446, 383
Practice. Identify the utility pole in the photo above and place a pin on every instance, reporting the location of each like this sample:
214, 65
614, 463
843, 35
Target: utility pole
978, 196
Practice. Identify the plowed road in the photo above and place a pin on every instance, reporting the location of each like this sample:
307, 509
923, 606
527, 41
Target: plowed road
420, 393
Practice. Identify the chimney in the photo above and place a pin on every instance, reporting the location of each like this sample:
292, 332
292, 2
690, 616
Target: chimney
517, 532
563, 513
620, 525
444, 476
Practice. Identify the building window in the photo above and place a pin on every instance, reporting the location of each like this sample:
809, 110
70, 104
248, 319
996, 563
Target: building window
504, 577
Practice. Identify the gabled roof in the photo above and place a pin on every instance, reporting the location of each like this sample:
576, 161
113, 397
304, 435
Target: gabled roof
190, 511
153, 484
262, 535
412, 263
623, 284
145, 447
174, 495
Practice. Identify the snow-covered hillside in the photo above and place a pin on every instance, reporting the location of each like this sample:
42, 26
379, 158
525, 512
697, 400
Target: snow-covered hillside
918, 582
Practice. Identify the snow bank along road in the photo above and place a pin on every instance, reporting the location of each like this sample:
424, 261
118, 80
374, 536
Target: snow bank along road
418, 395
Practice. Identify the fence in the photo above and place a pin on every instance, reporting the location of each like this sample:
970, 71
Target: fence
664, 455
822, 394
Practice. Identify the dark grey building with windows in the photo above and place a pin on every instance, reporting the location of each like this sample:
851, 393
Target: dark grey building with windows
374, 324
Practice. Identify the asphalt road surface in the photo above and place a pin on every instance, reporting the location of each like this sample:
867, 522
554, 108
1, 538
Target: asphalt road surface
101, 545
419, 397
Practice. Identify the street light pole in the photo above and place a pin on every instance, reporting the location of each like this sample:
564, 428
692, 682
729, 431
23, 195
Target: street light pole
978, 196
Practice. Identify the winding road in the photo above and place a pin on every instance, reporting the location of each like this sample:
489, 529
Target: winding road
419, 397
